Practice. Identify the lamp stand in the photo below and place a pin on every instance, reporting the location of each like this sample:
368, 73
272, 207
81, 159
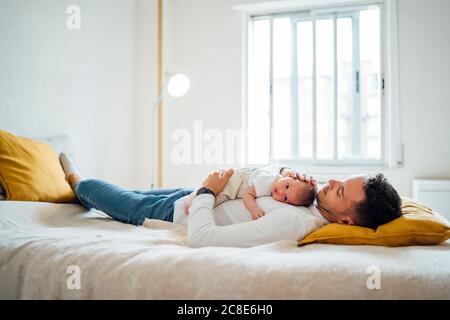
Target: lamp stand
157, 136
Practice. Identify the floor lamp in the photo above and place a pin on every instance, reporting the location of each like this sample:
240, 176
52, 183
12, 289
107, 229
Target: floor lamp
177, 85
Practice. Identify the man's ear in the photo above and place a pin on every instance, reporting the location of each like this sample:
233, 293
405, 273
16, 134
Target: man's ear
351, 222
347, 220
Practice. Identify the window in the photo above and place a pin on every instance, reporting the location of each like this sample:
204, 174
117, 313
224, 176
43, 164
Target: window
315, 87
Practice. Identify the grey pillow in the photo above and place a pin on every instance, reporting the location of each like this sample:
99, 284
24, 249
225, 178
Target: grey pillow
61, 143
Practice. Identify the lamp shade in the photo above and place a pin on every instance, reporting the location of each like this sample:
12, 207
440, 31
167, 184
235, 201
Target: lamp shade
178, 85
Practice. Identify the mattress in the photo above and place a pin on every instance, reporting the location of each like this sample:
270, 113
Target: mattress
64, 251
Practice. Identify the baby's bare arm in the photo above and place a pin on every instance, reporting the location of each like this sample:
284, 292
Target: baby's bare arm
249, 199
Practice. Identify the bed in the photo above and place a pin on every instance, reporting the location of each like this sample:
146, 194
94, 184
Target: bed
44, 245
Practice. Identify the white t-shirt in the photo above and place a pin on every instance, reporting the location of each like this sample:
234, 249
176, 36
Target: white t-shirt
231, 225
262, 180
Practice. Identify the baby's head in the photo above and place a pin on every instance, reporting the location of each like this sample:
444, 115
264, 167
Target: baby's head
294, 191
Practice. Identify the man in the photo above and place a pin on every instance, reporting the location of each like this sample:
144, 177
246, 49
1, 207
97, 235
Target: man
368, 201
359, 200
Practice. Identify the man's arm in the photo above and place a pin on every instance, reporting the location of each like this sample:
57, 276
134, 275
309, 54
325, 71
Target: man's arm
203, 231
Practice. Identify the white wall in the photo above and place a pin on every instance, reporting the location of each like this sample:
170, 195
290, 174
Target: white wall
203, 41
145, 90
81, 83
206, 44
98, 84
424, 45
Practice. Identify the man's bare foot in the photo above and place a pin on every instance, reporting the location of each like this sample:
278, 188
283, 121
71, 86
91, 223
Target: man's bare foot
73, 179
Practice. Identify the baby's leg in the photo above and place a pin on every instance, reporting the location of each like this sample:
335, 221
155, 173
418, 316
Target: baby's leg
221, 198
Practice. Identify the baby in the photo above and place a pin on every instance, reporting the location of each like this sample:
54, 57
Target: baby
250, 183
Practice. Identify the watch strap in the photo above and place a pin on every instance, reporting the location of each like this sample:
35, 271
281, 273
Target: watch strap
205, 190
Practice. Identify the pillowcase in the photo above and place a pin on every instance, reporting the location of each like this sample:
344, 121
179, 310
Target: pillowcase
417, 226
30, 171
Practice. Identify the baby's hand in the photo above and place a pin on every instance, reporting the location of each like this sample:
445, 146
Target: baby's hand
257, 213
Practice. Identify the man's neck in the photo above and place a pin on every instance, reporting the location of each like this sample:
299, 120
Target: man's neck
324, 213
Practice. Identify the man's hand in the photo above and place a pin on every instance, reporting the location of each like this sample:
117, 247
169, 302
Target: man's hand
303, 177
290, 174
218, 180
298, 175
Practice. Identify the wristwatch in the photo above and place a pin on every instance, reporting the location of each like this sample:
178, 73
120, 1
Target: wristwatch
203, 190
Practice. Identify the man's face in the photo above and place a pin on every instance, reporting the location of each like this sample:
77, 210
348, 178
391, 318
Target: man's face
338, 198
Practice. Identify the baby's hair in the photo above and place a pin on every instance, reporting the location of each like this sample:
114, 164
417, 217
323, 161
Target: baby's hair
308, 197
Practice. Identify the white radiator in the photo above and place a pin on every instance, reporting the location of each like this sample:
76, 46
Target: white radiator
434, 193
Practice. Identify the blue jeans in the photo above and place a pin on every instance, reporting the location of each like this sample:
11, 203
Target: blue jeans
128, 206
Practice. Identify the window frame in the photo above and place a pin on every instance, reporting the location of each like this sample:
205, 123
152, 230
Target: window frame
391, 145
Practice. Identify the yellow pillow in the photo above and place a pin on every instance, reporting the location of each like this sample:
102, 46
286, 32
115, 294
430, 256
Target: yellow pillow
30, 171
417, 226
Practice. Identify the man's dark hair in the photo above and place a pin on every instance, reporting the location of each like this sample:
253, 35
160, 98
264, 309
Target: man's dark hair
382, 203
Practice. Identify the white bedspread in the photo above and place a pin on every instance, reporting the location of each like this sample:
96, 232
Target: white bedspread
40, 241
